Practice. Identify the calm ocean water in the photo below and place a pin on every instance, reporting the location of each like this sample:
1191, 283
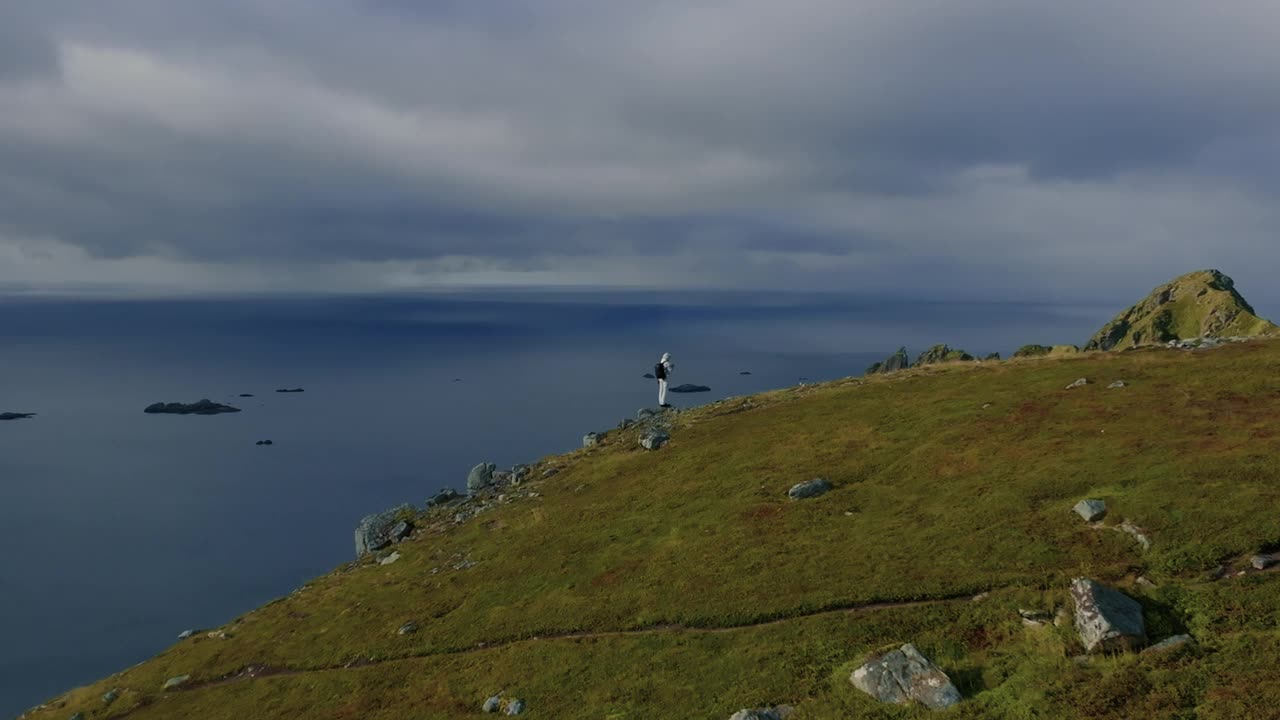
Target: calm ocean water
123, 529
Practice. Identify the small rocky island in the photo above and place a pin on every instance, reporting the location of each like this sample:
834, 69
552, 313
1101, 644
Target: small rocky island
290, 390
203, 407
16, 416
687, 388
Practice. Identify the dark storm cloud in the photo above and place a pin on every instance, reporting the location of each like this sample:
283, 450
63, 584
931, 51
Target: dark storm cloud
999, 145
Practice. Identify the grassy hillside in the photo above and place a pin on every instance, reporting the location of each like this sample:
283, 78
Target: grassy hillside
683, 583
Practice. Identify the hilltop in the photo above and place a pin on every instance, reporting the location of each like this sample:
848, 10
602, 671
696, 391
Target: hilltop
682, 582
1198, 304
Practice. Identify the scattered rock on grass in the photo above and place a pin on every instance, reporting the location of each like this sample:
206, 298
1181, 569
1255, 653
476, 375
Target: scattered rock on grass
400, 530
1035, 618
1137, 533
186, 634
904, 675
654, 439
407, 628
389, 559
782, 712
442, 497
1078, 383
110, 696
492, 705
174, 683
1262, 562
809, 489
1091, 510
515, 707
1107, 619
1117, 385
591, 439
1176, 642
550, 472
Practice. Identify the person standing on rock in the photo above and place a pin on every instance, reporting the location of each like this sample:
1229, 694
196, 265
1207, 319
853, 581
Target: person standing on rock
661, 371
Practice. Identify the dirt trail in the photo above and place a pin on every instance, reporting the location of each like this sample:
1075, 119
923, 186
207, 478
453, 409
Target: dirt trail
254, 672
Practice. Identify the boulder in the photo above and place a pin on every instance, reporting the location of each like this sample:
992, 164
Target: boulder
645, 413
1262, 562
903, 675
591, 439
1078, 383
408, 628
687, 388
200, 407
515, 707
654, 439
186, 634
492, 705
625, 423
1117, 385
1107, 619
1032, 351
992, 356
550, 472
1091, 510
16, 416
110, 696
782, 712
174, 683
895, 362
373, 532
389, 559
400, 530
809, 489
1169, 644
442, 497
480, 477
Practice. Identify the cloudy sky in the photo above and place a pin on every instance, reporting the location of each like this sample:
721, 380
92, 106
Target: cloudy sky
987, 147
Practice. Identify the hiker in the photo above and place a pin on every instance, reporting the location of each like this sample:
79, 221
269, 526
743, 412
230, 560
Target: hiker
661, 371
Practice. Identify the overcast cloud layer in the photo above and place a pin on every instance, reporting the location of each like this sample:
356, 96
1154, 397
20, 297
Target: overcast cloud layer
988, 147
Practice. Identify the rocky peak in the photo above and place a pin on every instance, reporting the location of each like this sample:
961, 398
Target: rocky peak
1200, 304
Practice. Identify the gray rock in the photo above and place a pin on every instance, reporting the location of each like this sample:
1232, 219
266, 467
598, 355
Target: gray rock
389, 559
1262, 562
480, 477
174, 683
1177, 642
625, 423
1091, 510
1138, 534
550, 472
77, 716
110, 696
407, 628
1035, 618
442, 497
492, 705
1107, 619
515, 707
895, 362
1078, 383
186, 634
373, 531
400, 530
809, 489
1117, 385
519, 473
654, 439
591, 439
782, 712
501, 477
645, 413
904, 675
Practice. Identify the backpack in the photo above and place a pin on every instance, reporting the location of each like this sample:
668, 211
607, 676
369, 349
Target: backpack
660, 371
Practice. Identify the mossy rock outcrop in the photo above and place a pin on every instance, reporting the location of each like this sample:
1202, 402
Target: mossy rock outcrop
1199, 304
940, 354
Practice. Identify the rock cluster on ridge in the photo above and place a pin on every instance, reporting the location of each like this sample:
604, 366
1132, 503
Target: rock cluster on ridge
1199, 304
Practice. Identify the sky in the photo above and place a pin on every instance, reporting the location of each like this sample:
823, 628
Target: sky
984, 149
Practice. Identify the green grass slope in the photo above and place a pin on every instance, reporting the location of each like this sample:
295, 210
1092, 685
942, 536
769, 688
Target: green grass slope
683, 583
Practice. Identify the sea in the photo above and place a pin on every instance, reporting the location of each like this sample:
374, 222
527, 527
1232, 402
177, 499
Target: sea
120, 529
